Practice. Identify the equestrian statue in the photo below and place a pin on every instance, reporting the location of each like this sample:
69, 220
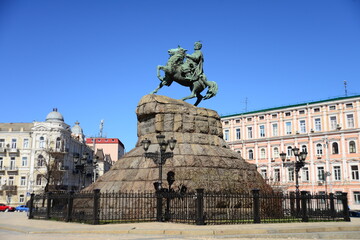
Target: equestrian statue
187, 73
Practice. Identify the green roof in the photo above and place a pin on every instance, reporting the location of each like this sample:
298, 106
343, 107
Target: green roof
289, 106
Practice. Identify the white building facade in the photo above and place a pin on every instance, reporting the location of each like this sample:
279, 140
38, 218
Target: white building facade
42, 156
328, 130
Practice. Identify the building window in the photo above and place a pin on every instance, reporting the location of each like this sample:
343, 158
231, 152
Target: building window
333, 122
350, 120
288, 114
335, 148
237, 120
2, 143
12, 163
319, 149
305, 174
288, 128
249, 119
291, 174
316, 109
333, 107
262, 130
354, 172
58, 143
317, 124
39, 179
26, 143
250, 135
302, 112
277, 174
21, 198
337, 173
276, 152
262, 153
263, 173
357, 197
41, 142
226, 135
23, 181
261, 118
11, 181
349, 105
289, 152
321, 173
40, 161
251, 154
226, 122
302, 126
13, 143
304, 148
275, 130
24, 161
1, 163
352, 147
238, 133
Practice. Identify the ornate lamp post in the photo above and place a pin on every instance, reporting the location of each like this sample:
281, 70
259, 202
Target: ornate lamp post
297, 164
80, 164
159, 157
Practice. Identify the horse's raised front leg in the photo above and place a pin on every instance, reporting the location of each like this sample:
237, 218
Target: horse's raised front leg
159, 67
192, 95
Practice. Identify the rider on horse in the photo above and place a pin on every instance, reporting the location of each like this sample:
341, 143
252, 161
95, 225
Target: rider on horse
193, 67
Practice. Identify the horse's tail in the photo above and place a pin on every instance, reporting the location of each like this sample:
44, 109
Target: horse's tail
212, 89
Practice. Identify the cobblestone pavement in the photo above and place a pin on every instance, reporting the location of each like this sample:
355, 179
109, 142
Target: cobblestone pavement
15, 226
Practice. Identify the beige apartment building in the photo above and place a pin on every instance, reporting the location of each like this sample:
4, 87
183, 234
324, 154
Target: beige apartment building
42, 156
328, 130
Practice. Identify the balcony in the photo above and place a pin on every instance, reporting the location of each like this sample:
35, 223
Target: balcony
9, 189
58, 152
12, 170
2, 150
13, 152
2, 170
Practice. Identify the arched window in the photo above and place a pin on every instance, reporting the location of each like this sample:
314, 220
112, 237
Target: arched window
40, 161
39, 178
58, 143
304, 148
319, 150
251, 154
352, 147
335, 148
262, 153
41, 142
276, 152
289, 151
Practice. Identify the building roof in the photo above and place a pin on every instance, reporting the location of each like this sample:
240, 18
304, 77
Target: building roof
54, 116
104, 141
290, 106
5, 127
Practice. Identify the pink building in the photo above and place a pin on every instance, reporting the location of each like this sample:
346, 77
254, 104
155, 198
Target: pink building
112, 146
328, 130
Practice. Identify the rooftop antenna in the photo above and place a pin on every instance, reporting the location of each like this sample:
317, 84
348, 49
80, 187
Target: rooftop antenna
345, 88
101, 128
246, 104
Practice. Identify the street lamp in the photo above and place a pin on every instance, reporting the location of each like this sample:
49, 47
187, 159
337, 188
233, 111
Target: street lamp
159, 157
297, 164
80, 164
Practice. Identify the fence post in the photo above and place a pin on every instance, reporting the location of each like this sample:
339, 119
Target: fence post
96, 212
256, 205
159, 205
31, 207
345, 207
305, 217
199, 204
332, 205
48, 204
70, 207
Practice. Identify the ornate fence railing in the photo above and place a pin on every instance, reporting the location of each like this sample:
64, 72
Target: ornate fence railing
193, 207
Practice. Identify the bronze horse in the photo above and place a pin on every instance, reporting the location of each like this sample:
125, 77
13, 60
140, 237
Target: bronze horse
174, 71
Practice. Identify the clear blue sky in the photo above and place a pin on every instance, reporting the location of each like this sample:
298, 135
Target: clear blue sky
94, 60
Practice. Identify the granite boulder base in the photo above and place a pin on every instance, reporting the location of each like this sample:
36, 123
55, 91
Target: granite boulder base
202, 159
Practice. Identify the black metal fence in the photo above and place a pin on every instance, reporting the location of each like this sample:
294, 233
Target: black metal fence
193, 207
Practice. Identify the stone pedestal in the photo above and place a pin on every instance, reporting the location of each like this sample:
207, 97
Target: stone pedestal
202, 159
